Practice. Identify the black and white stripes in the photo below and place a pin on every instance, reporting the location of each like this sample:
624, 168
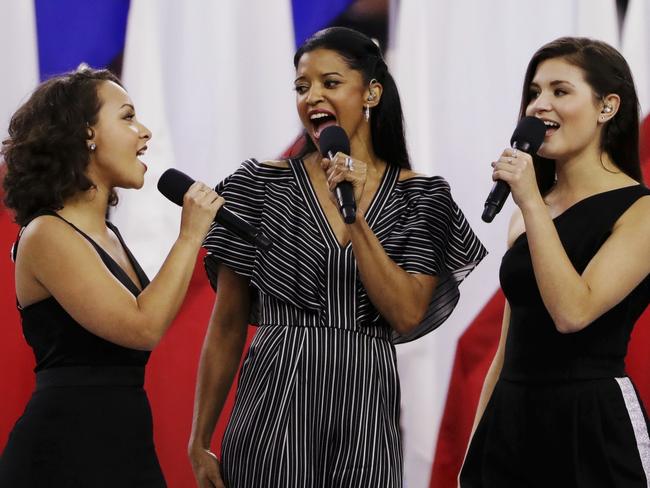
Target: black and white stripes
318, 398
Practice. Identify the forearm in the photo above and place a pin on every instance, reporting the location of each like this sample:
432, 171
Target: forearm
218, 365
564, 292
400, 298
161, 300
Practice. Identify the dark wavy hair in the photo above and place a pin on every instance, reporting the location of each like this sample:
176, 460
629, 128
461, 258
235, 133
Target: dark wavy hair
363, 55
46, 154
606, 71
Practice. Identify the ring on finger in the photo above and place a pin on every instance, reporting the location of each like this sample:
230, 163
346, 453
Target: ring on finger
514, 153
349, 164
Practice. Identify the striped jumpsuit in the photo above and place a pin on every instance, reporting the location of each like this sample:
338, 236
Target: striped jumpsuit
318, 399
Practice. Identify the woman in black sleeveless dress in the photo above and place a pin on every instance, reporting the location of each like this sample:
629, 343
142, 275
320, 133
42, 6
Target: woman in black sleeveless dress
88, 310
318, 399
562, 411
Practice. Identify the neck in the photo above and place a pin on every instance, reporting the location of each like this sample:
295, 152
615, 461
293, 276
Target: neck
87, 210
589, 171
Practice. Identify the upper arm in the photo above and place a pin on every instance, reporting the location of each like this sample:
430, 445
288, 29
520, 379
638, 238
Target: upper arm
622, 262
232, 304
69, 268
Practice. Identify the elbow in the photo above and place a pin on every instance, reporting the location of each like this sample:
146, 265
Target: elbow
146, 338
406, 323
570, 324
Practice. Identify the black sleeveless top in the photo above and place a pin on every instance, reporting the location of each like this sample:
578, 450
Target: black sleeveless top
59, 341
535, 350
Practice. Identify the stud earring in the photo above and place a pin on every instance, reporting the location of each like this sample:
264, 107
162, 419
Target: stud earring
607, 109
366, 112
92, 147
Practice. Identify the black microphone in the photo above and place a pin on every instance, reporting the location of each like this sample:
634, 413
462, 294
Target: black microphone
173, 184
333, 139
527, 137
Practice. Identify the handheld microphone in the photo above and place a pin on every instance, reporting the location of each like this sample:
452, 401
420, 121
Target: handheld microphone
333, 139
527, 137
173, 184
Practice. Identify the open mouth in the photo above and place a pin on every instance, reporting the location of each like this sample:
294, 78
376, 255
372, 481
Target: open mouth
551, 126
141, 151
320, 120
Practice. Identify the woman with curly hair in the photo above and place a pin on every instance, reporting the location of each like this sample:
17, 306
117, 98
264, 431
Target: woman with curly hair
88, 310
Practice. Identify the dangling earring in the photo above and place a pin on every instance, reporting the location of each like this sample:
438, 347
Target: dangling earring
92, 147
366, 112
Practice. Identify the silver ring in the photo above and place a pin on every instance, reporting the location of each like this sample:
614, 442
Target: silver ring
514, 153
349, 164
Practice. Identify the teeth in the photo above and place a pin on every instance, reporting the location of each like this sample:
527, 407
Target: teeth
319, 116
549, 123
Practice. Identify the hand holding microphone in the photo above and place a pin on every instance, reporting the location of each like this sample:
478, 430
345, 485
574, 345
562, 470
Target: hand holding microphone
527, 138
334, 140
200, 206
176, 186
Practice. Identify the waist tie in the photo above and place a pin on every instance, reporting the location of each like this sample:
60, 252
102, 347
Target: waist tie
90, 376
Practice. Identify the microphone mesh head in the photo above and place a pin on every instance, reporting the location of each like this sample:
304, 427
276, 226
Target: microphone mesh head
529, 130
334, 139
174, 184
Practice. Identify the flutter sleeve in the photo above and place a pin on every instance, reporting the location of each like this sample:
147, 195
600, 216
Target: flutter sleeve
244, 194
436, 240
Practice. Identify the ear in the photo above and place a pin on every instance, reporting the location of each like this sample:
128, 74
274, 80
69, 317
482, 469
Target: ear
373, 93
609, 107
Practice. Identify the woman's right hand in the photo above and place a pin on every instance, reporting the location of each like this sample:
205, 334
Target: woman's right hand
200, 206
206, 467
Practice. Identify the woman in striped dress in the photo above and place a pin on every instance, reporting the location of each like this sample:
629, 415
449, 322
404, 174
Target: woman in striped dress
318, 397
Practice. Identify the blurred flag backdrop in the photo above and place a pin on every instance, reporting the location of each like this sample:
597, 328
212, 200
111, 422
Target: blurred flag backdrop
213, 81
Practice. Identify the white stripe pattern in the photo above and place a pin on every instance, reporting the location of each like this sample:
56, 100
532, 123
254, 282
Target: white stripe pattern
318, 398
638, 423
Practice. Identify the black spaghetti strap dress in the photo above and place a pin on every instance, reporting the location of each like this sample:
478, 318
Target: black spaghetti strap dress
88, 422
564, 413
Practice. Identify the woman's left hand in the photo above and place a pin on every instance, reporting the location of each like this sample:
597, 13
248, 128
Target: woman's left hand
345, 168
516, 168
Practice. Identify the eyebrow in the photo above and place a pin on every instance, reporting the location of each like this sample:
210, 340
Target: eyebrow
554, 83
323, 75
128, 105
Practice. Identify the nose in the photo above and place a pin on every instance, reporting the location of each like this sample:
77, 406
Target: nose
540, 104
145, 133
314, 95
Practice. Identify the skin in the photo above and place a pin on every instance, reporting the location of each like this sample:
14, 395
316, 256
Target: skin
55, 260
573, 300
323, 83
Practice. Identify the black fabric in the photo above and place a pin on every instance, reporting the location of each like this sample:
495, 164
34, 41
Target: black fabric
88, 423
562, 412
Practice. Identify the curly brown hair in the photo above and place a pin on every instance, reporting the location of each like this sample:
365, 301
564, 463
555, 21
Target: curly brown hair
46, 154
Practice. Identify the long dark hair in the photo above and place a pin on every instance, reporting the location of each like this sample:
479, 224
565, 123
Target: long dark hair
363, 55
46, 153
606, 71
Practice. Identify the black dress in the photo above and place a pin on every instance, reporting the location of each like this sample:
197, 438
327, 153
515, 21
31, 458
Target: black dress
318, 398
88, 422
563, 412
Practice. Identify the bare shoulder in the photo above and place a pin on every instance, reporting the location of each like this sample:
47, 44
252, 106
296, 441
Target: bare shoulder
407, 174
516, 227
276, 163
48, 236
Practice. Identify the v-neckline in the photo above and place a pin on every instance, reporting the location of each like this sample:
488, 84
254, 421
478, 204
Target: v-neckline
312, 199
137, 289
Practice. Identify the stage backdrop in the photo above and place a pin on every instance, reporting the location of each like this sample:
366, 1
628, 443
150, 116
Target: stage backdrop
213, 80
